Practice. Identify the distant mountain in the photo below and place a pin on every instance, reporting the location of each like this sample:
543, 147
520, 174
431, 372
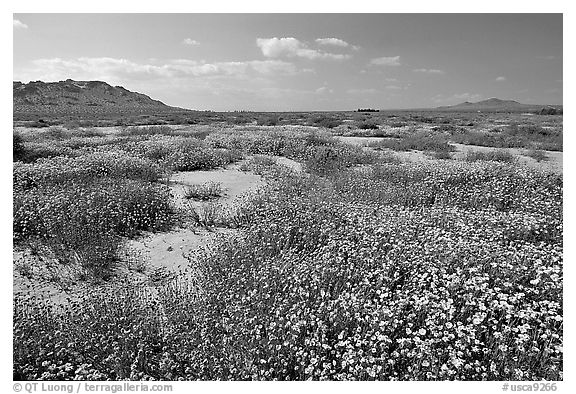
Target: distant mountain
78, 97
496, 105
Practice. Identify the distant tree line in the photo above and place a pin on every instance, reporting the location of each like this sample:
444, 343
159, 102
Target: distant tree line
367, 110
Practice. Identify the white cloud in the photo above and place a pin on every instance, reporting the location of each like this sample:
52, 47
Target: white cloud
118, 70
332, 41
191, 42
291, 47
19, 25
324, 89
386, 61
428, 71
501, 79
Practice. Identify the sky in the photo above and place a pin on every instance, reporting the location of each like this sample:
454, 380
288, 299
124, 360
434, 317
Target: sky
299, 62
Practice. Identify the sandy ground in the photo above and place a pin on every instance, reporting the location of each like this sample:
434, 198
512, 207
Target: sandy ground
552, 163
168, 250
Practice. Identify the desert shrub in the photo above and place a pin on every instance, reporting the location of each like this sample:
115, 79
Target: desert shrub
258, 164
529, 129
292, 143
323, 161
368, 125
34, 151
146, 130
269, 120
492, 155
56, 133
240, 120
18, 150
537, 154
418, 141
84, 168
207, 215
125, 207
181, 153
441, 155
554, 143
201, 135
325, 121
204, 191
39, 124
500, 140
513, 136
328, 160
450, 128
86, 219
186, 159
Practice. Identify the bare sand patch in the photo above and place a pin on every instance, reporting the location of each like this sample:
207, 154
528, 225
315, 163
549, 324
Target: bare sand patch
169, 251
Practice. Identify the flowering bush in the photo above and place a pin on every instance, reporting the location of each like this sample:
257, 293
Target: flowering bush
290, 142
83, 169
85, 220
180, 153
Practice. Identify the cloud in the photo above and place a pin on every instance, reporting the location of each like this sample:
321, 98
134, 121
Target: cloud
191, 42
19, 25
332, 41
291, 47
501, 79
119, 70
428, 71
386, 61
324, 89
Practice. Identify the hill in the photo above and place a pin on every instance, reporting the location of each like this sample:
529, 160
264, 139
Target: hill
80, 98
497, 105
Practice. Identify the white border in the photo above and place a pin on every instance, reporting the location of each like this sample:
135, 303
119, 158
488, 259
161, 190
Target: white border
299, 6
